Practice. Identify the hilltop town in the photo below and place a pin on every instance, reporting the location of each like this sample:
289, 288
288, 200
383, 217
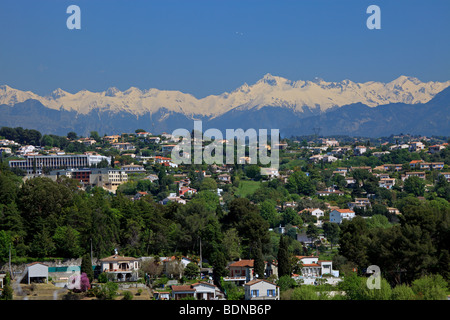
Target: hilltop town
114, 217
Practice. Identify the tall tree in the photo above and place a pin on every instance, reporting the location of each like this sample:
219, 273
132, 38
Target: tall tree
284, 263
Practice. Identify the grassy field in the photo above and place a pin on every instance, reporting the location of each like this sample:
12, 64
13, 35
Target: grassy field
247, 187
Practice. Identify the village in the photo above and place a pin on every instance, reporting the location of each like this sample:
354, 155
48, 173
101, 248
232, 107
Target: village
322, 185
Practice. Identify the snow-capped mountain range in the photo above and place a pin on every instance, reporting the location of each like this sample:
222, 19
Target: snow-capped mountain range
270, 91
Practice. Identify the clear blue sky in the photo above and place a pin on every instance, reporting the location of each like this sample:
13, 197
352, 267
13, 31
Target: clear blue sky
209, 47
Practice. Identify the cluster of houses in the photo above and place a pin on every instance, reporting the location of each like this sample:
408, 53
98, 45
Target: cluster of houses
242, 273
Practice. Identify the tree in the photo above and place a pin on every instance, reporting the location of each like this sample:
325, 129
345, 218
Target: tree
67, 242
269, 212
8, 291
208, 184
432, 287
192, 270
331, 232
72, 135
284, 265
219, 263
299, 183
94, 135
403, 292
312, 232
86, 267
353, 241
259, 264
285, 282
415, 186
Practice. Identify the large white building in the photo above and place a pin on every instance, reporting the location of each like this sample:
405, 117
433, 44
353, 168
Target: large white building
36, 163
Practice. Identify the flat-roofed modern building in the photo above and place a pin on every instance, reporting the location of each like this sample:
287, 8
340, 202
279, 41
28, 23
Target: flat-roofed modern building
36, 163
107, 178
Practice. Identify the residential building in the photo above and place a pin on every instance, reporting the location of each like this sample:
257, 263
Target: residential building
416, 146
5, 150
111, 139
199, 291
260, 289
431, 165
186, 190
314, 212
225, 178
329, 191
242, 268
421, 175
435, 148
329, 158
361, 203
270, 172
313, 267
167, 148
359, 150
446, 175
133, 168
339, 215
244, 160
122, 268
155, 140
174, 198
392, 167
331, 143
143, 134
393, 210
387, 183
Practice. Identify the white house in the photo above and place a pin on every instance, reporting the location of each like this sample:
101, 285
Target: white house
200, 291
338, 215
260, 289
360, 150
271, 172
313, 267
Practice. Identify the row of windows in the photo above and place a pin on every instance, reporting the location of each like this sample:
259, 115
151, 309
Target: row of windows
270, 293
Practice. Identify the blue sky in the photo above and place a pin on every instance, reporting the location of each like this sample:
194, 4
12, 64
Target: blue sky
211, 46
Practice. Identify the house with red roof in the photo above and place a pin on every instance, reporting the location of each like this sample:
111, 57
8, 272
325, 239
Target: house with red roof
200, 291
338, 215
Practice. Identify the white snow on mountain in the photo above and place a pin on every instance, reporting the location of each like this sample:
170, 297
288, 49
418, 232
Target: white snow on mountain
269, 91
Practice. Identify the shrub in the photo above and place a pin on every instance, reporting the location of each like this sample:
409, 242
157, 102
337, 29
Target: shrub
127, 295
403, 292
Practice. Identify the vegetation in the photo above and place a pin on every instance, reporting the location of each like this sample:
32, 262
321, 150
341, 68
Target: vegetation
43, 219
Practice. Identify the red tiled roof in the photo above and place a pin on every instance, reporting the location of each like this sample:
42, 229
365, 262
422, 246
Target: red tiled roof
242, 263
183, 288
344, 210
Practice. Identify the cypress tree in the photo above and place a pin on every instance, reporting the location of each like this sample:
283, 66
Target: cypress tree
86, 267
284, 267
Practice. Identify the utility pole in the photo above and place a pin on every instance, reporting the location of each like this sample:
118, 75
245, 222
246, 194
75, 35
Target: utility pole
10, 269
200, 252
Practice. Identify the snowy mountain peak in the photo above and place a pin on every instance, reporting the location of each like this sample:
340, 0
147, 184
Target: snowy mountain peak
58, 93
270, 91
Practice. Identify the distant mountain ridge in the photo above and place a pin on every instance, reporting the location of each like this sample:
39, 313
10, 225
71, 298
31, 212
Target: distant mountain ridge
272, 102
